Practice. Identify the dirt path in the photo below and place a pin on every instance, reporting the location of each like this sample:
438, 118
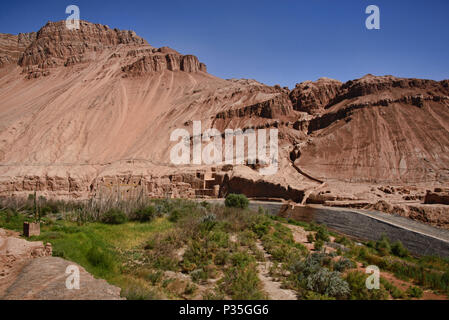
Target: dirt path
271, 287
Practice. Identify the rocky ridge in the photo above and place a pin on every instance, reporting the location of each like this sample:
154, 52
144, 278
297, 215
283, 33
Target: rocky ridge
100, 120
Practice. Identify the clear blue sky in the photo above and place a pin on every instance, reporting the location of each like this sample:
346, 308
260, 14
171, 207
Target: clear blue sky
276, 42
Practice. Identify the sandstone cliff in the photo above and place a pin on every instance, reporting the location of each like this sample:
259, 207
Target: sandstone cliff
90, 110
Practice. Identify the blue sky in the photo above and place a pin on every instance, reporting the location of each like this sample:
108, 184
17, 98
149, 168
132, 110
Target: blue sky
276, 42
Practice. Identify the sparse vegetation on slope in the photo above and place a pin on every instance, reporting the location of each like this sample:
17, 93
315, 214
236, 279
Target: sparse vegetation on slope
179, 249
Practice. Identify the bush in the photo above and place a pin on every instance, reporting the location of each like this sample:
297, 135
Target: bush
261, 229
205, 204
144, 214
208, 221
399, 250
358, 289
220, 238
343, 264
221, 258
174, 216
383, 245
343, 241
140, 293
328, 283
322, 234
236, 201
241, 259
310, 238
395, 292
242, 284
414, 292
310, 265
114, 216
318, 245
155, 277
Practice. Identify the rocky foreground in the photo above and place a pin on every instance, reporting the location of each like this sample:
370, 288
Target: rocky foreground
88, 114
29, 272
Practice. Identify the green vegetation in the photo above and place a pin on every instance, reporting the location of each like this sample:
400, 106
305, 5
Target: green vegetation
236, 201
177, 249
357, 284
144, 214
414, 292
114, 216
394, 291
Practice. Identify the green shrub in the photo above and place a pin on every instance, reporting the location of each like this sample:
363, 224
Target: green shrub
414, 292
155, 277
261, 229
247, 238
328, 283
220, 238
144, 214
310, 238
241, 259
310, 295
174, 215
383, 245
236, 201
44, 211
343, 241
322, 234
399, 250
196, 254
343, 264
310, 265
164, 206
139, 293
205, 204
395, 292
242, 284
221, 258
114, 216
318, 245
208, 221
358, 290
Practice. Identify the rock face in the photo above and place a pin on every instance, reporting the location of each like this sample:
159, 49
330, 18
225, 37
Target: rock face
379, 129
13, 46
55, 43
29, 272
438, 196
158, 61
91, 111
45, 279
314, 97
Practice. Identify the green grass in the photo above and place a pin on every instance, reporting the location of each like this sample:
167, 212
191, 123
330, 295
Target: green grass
99, 247
216, 242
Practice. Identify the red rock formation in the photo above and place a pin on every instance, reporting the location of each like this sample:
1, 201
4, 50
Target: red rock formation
96, 107
13, 46
438, 196
55, 43
381, 129
313, 97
